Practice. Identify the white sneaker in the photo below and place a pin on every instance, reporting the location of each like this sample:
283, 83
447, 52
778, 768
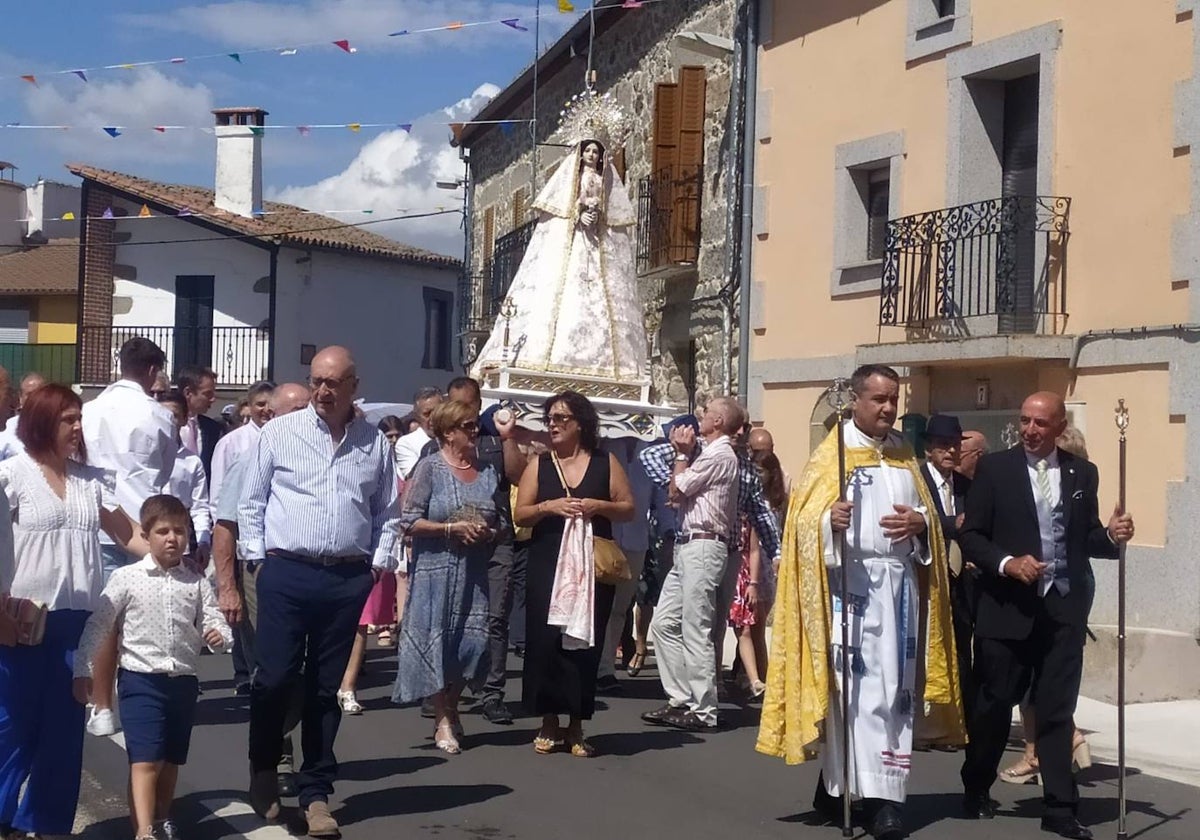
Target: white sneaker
102, 722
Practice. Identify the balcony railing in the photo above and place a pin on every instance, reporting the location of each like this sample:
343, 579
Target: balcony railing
668, 224
476, 312
506, 259
56, 362
992, 267
239, 356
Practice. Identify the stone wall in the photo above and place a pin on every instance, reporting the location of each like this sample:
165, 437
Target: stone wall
630, 58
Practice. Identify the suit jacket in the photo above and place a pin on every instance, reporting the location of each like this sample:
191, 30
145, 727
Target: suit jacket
1001, 521
960, 485
210, 432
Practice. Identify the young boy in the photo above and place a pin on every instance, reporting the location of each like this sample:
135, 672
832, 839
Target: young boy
159, 652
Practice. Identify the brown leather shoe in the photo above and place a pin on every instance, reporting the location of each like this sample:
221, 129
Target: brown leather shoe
264, 793
320, 822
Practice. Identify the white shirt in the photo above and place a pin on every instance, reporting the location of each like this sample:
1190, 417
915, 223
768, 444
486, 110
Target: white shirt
942, 484
229, 449
709, 490
127, 432
164, 614
874, 491
408, 451
10, 444
187, 485
53, 553
1045, 513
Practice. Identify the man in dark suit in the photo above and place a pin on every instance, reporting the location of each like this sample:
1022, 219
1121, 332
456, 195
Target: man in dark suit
1032, 523
200, 435
943, 447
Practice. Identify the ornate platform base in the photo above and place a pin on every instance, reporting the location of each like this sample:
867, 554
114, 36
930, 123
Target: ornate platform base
624, 407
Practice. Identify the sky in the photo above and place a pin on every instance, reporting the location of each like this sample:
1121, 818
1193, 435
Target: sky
422, 79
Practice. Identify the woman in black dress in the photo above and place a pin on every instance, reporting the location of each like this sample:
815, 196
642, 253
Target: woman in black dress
557, 681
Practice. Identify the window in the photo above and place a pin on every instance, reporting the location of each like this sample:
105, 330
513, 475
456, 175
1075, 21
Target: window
878, 193
935, 26
439, 307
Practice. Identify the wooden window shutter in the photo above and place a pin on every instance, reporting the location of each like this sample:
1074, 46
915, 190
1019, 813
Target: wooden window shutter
519, 206
692, 88
666, 125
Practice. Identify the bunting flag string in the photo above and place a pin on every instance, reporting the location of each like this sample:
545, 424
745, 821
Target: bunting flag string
519, 24
110, 214
304, 129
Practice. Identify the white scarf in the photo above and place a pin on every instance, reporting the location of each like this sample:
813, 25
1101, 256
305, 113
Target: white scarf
572, 600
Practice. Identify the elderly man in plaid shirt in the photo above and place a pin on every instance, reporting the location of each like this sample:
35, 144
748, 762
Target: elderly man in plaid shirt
658, 461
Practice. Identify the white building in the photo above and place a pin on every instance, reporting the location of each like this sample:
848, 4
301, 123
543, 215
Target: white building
253, 288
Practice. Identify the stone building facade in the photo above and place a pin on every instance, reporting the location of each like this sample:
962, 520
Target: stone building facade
642, 56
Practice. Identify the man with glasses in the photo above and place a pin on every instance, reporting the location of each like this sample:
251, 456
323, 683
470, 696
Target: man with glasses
320, 512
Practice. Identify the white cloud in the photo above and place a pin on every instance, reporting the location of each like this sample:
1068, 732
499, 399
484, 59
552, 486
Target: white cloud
257, 23
141, 101
400, 170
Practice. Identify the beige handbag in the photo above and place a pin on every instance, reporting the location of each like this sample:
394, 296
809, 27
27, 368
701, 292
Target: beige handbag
612, 567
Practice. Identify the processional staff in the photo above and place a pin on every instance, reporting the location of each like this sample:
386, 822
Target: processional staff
1122, 421
839, 401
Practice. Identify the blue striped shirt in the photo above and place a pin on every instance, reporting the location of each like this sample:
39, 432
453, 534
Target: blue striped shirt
306, 495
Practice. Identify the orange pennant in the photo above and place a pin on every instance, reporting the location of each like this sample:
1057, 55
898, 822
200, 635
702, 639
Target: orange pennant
144, 213
31, 79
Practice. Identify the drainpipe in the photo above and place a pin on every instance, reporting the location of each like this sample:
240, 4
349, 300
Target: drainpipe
468, 223
271, 299
749, 105
1125, 332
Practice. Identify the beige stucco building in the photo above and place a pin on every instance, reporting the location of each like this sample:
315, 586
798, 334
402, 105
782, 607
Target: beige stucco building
900, 148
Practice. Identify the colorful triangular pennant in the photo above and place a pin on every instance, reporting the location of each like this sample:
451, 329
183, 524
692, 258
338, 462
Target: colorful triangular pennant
515, 23
256, 130
406, 127
394, 34
342, 43
458, 24
304, 130
107, 214
355, 127
144, 213
81, 74
566, 6
32, 79
112, 131
68, 216
235, 57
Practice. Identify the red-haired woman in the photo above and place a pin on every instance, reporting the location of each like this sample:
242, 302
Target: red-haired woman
50, 519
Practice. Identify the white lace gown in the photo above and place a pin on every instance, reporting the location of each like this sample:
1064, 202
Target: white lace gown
575, 294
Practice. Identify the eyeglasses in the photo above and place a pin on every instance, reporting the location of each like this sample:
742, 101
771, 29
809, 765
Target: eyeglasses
468, 426
319, 382
559, 419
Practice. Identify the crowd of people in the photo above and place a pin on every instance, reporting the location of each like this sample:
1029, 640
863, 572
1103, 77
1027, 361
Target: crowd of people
143, 531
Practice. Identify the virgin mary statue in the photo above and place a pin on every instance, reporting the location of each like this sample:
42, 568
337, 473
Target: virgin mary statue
574, 302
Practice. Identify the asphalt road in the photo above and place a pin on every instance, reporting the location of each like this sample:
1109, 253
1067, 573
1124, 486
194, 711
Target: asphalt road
646, 783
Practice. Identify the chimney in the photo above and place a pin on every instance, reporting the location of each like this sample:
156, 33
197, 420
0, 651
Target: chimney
239, 159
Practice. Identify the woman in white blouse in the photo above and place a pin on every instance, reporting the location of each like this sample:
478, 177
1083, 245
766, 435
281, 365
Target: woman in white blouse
51, 555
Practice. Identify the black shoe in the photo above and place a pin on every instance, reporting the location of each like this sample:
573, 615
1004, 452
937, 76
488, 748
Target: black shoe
1066, 827
427, 708
494, 711
687, 721
657, 716
519, 651
886, 824
827, 807
242, 689
979, 806
609, 686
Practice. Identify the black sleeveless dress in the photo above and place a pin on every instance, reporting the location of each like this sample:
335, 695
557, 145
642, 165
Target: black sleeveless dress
556, 681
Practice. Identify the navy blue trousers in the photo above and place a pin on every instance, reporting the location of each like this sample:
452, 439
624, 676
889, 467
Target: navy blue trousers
41, 729
307, 617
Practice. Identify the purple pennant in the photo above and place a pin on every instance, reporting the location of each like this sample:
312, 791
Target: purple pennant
236, 57
112, 131
183, 211
515, 23
406, 127
107, 214
80, 74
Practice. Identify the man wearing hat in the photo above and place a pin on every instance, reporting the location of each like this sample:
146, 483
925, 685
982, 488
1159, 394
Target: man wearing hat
943, 438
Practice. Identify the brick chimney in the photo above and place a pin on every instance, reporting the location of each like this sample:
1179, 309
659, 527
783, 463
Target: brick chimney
239, 159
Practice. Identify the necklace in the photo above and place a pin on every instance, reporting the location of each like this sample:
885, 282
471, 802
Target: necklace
468, 465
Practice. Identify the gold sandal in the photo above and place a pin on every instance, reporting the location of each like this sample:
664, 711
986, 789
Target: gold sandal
543, 745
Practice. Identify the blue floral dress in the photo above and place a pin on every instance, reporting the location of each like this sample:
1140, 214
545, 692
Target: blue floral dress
444, 633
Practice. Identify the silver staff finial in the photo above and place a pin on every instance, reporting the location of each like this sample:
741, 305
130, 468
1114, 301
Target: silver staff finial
839, 396
1010, 437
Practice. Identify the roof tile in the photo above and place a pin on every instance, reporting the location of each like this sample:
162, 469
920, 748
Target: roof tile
51, 269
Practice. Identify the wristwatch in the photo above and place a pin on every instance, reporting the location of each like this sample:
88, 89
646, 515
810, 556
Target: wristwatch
682, 457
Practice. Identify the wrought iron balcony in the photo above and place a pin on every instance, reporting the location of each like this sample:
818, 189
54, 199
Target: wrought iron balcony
992, 267
238, 355
476, 311
668, 224
506, 259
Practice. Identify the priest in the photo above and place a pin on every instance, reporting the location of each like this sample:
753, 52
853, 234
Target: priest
901, 650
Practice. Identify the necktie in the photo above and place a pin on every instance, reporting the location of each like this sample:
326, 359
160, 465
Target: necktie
192, 438
1043, 482
947, 499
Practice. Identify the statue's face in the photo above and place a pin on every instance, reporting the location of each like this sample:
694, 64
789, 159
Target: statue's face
591, 154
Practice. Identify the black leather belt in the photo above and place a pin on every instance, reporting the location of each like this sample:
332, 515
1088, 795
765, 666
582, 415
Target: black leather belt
690, 536
325, 560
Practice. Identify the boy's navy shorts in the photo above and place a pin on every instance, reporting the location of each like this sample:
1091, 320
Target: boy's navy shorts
156, 713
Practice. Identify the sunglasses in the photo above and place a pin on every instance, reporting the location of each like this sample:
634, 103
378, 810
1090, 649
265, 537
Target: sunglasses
559, 419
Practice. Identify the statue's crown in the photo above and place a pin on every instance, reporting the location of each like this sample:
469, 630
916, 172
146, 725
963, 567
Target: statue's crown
593, 116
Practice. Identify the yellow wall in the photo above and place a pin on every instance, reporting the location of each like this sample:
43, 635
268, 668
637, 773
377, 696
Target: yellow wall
52, 319
836, 73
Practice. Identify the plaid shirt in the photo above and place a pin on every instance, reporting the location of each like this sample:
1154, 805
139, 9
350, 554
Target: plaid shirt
658, 461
